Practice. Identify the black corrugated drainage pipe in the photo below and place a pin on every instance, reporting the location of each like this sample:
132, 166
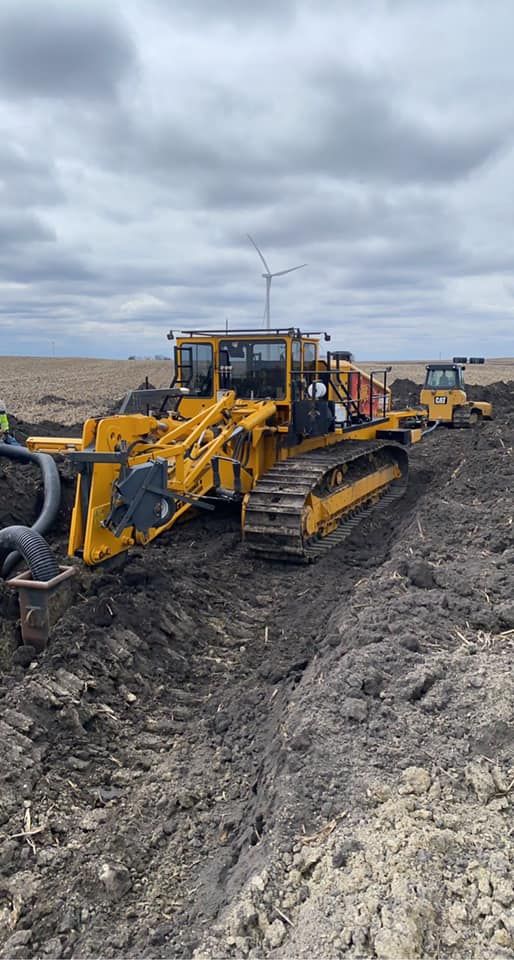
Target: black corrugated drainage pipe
34, 550
49, 510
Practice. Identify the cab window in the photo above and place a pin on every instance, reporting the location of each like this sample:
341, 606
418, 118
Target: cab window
296, 354
309, 357
194, 361
443, 379
256, 368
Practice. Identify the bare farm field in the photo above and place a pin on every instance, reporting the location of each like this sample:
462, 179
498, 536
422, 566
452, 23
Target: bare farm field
70, 389
67, 390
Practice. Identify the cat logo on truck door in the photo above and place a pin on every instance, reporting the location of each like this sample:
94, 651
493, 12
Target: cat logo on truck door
441, 400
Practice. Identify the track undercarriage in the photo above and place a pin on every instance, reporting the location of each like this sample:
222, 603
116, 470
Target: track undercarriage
306, 505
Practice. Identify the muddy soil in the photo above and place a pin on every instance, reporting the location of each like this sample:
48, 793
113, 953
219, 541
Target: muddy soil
220, 757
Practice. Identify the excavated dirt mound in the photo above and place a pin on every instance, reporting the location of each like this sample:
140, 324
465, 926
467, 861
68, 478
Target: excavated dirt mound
220, 757
500, 394
405, 393
19, 493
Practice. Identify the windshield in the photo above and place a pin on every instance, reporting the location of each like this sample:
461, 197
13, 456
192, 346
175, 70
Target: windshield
255, 369
444, 379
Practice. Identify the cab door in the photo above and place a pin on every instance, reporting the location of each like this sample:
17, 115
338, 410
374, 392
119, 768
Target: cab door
194, 370
312, 416
296, 370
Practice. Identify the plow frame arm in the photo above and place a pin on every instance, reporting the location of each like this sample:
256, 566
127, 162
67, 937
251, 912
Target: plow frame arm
190, 450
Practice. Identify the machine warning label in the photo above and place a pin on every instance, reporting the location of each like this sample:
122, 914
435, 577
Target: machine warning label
441, 399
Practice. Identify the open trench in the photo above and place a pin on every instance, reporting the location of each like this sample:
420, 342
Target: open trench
148, 756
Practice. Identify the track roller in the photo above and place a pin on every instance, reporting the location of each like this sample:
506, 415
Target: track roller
305, 506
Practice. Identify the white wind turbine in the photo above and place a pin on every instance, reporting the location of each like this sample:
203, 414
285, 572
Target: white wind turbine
268, 276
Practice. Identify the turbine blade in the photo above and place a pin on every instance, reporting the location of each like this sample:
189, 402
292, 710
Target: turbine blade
252, 241
282, 272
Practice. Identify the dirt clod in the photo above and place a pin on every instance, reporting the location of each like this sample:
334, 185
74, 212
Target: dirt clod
421, 574
414, 780
24, 655
116, 879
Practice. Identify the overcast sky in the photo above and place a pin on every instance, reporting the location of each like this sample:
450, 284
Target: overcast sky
142, 140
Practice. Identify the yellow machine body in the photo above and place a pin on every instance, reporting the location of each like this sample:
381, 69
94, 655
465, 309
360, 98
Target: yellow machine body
445, 399
304, 444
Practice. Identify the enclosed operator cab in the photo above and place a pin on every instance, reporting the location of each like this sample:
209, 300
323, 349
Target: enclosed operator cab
254, 367
444, 396
312, 394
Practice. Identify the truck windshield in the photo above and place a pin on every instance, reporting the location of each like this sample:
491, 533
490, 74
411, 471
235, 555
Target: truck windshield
443, 379
255, 369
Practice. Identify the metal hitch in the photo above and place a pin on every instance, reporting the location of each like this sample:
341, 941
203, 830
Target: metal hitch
37, 615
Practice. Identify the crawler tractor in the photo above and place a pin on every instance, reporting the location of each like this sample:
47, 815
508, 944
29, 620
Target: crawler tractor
444, 395
305, 445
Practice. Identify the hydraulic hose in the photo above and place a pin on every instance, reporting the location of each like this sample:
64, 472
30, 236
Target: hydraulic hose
51, 502
34, 550
430, 429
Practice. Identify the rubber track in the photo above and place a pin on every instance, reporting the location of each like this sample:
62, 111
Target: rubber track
273, 522
461, 418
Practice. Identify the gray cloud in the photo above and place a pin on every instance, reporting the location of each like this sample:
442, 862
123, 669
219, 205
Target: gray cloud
360, 128
232, 11
59, 267
141, 147
19, 228
26, 180
62, 51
